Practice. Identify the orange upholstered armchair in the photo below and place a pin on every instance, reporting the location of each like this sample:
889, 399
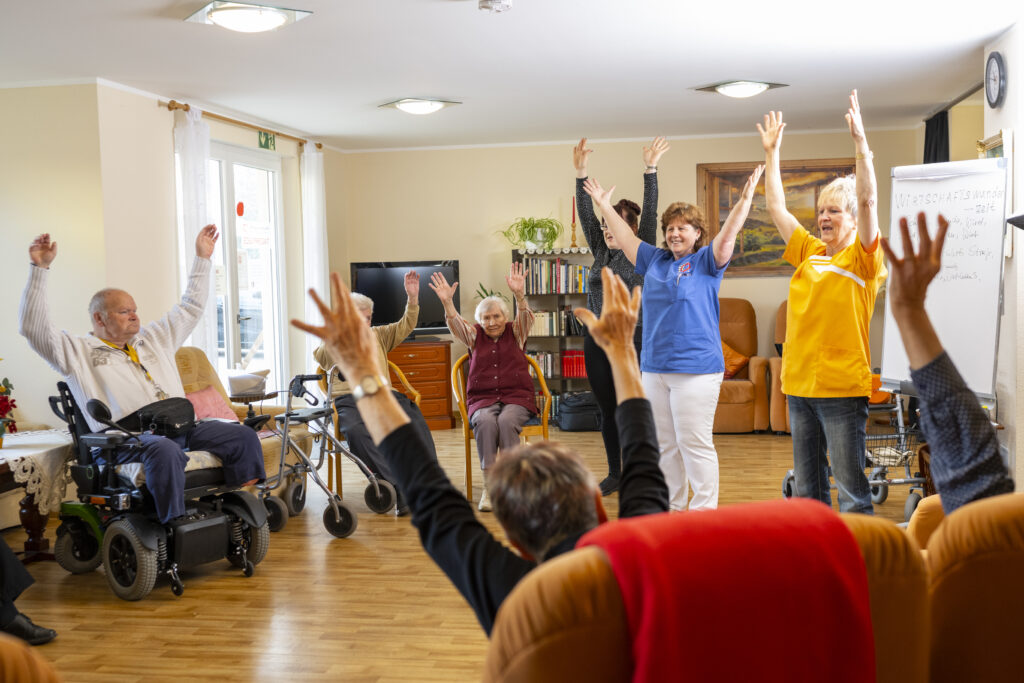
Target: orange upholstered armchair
566, 619
743, 401
779, 408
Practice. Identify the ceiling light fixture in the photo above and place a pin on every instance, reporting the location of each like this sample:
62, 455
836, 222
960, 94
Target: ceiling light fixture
495, 6
740, 88
247, 18
419, 106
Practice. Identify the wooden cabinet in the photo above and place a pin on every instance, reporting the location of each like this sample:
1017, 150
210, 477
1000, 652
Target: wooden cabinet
428, 367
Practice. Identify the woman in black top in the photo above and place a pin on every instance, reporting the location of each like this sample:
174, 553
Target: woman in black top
607, 253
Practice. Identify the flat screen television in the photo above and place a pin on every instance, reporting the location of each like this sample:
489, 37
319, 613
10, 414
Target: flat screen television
384, 283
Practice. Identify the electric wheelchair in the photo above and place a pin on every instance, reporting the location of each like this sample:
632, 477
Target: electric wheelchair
114, 521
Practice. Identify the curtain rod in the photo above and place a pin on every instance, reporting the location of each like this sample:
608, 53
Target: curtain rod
174, 104
952, 103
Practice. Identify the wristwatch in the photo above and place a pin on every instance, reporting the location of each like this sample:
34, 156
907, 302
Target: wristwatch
368, 386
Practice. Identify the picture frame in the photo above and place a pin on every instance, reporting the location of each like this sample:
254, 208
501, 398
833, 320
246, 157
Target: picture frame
759, 247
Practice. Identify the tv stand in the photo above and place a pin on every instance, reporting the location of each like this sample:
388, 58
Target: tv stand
428, 367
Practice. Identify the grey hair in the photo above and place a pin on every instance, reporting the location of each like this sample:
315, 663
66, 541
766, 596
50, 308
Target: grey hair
542, 493
487, 303
362, 302
98, 302
842, 191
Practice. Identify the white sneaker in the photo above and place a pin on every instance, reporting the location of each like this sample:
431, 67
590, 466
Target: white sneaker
485, 502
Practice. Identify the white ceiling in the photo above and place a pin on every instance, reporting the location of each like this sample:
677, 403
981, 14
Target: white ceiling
548, 70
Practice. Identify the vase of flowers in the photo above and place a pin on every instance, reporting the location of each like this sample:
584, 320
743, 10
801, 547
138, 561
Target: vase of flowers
7, 406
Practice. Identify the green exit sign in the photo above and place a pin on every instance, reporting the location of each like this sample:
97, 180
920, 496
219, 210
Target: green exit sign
267, 140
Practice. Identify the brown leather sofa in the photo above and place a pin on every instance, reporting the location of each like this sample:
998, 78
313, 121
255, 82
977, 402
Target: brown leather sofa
743, 401
566, 620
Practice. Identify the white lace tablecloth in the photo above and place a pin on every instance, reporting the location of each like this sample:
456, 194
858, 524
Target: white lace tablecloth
39, 461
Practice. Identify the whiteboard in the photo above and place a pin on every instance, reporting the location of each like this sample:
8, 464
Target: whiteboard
963, 300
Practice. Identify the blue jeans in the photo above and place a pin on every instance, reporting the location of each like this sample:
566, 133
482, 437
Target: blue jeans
834, 427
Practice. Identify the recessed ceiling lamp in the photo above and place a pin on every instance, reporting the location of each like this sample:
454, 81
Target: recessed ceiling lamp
495, 6
419, 106
246, 17
740, 88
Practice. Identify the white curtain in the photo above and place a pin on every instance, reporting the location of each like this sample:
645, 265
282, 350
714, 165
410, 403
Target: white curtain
314, 237
192, 149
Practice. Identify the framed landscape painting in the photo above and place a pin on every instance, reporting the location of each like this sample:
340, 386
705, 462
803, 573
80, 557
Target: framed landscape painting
759, 247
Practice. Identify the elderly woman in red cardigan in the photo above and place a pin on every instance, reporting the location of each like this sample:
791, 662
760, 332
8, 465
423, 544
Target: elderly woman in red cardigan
499, 389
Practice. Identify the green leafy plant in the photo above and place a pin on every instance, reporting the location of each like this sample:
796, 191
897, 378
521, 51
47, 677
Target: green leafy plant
533, 233
482, 293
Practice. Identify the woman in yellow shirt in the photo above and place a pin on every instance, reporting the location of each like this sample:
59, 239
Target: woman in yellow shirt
826, 373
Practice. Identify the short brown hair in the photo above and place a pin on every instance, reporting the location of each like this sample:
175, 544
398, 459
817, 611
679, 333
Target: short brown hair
689, 214
630, 212
542, 493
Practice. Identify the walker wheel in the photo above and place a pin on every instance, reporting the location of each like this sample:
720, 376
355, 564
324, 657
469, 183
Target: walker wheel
913, 498
295, 497
878, 493
344, 524
789, 485
277, 512
383, 503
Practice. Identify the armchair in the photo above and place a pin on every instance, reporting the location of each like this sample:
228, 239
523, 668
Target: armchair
743, 400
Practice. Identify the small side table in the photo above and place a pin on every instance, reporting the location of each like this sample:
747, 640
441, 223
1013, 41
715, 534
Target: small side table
249, 399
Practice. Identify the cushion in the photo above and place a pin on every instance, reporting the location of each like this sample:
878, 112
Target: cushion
734, 360
209, 403
134, 473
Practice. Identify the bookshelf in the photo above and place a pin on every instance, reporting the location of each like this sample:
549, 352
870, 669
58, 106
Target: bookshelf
556, 283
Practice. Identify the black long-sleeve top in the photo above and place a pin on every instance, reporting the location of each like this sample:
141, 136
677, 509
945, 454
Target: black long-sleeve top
614, 258
966, 464
480, 566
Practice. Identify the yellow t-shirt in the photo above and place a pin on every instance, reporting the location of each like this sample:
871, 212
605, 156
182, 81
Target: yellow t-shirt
827, 354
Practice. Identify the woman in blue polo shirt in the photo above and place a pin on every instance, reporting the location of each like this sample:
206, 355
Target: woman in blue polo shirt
682, 359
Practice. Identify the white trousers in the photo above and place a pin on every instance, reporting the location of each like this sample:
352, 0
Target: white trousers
684, 415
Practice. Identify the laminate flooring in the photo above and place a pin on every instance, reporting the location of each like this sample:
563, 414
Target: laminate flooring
372, 607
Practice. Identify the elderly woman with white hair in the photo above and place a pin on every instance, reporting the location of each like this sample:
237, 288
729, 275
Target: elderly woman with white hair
499, 389
826, 373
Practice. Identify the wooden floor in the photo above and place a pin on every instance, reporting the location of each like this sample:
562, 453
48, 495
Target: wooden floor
371, 607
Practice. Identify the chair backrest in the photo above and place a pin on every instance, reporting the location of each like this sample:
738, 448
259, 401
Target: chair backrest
737, 324
66, 408
566, 621
197, 373
545, 410
459, 373
976, 564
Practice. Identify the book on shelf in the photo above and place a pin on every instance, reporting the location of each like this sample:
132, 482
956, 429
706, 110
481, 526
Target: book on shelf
556, 323
572, 363
555, 276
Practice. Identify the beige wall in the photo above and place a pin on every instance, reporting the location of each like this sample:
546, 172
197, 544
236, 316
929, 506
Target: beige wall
966, 127
50, 181
426, 204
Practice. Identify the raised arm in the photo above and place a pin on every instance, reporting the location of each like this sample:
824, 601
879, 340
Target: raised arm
867, 186
459, 326
34, 315
774, 195
725, 241
177, 324
393, 334
618, 227
516, 280
649, 213
588, 219
966, 463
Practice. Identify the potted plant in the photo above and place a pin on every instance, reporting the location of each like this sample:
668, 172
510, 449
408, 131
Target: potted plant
7, 406
533, 233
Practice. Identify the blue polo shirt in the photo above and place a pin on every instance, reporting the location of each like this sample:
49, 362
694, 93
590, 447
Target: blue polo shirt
680, 302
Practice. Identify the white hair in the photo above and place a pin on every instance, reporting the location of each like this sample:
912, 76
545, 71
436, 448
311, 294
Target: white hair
487, 303
362, 302
98, 302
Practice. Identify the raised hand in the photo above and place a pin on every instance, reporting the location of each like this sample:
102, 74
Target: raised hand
439, 283
748, 188
349, 340
771, 132
42, 251
580, 154
654, 152
613, 331
854, 120
412, 285
910, 276
516, 279
206, 240
599, 194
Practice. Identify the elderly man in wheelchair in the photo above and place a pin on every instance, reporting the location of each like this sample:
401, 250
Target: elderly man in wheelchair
126, 372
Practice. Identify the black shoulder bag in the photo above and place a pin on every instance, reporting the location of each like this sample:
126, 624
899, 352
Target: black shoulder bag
170, 417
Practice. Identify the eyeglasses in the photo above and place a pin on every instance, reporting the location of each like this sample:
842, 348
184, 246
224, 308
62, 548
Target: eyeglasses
604, 226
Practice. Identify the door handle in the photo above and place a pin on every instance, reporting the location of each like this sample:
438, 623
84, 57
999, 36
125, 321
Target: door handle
239, 318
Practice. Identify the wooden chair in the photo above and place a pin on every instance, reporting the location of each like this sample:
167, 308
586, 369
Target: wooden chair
334, 460
536, 426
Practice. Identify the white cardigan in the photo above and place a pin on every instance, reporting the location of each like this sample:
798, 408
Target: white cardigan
93, 369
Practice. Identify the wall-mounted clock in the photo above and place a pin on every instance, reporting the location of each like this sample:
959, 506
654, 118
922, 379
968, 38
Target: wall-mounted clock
995, 79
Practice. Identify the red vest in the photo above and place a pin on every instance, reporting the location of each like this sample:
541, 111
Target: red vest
498, 372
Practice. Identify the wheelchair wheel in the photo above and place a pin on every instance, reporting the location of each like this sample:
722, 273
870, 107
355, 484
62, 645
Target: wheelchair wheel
878, 493
76, 550
383, 503
130, 566
913, 498
789, 485
256, 541
277, 512
345, 523
295, 497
